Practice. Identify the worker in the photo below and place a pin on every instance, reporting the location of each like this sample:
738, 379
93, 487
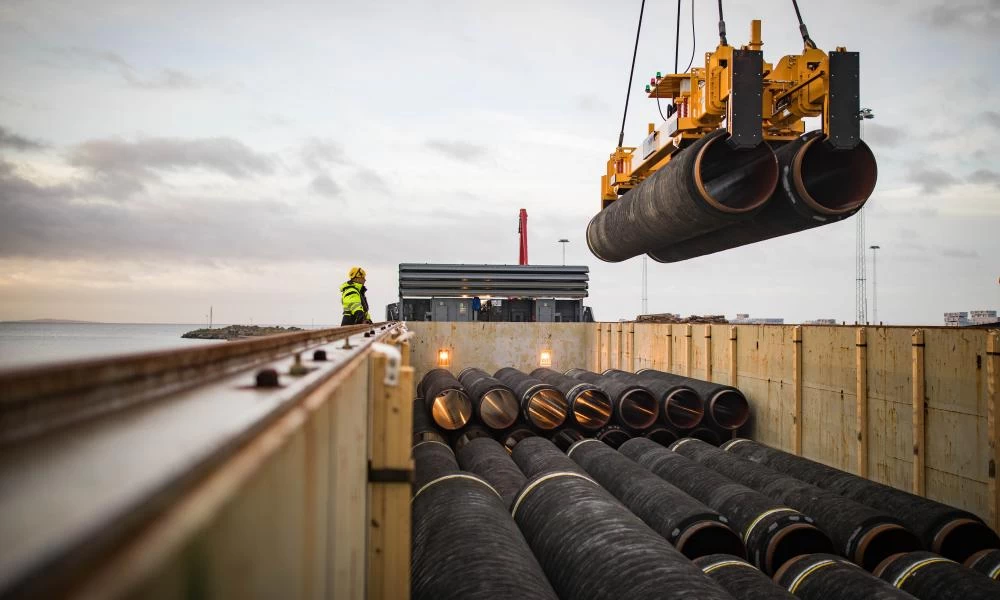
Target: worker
352, 296
477, 305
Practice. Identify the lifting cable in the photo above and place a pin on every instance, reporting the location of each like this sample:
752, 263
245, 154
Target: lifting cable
628, 91
722, 26
802, 26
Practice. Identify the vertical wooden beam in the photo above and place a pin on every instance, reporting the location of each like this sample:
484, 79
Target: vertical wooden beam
670, 349
797, 387
630, 348
597, 348
708, 352
687, 350
919, 395
389, 460
733, 376
619, 358
861, 366
993, 422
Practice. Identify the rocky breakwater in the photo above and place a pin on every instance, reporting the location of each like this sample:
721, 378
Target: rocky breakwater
236, 332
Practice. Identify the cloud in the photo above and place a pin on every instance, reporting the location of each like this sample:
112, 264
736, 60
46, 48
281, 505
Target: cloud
958, 253
161, 79
985, 176
319, 154
967, 16
9, 139
324, 185
458, 150
591, 103
992, 118
884, 135
122, 167
932, 180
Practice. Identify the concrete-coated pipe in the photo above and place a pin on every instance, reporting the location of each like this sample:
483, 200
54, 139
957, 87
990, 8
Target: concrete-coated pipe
446, 399
488, 459
725, 405
931, 577
829, 577
423, 428
589, 407
635, 407
681, 407
986, 562
542, 404
495, 404
704, 187
741, 579
510, 437
661, 435
818, 186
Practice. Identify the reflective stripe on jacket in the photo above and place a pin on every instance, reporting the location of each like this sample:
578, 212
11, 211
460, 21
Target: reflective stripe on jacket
352, 296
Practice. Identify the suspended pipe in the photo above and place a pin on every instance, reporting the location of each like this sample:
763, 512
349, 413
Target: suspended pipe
634, 406
488, 459
741, 579
859, 532
589, 407
466, 545
818, 186
495, 404
510, 437
943, 529
423, 428
986, 562
542, 405
725, 405
829, 577
432, 460
931, 577
663, 436
613, 436
446, 399
693, 528
591, 547
772, 533
704, 187
680, 406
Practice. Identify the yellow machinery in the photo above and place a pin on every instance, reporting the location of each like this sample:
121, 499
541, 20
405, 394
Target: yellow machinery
754, 100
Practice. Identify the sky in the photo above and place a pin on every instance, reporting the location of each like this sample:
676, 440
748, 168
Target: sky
159, 158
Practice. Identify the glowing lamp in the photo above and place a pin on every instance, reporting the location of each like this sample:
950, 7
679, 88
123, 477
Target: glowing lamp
545, 360
444, 358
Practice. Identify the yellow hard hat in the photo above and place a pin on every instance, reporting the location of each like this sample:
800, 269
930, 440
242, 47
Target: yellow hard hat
356, 272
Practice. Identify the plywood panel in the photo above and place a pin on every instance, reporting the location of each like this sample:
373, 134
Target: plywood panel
646, 346
765, 375
491, 346
890, 419
829, 398
699, 352
720, 353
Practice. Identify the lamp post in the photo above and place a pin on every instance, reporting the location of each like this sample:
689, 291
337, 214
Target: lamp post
564, 241
874, 250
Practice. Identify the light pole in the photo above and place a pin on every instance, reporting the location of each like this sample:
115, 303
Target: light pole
874, 250
564, 241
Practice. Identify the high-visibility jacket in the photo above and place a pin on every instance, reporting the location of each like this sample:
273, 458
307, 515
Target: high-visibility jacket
352, 296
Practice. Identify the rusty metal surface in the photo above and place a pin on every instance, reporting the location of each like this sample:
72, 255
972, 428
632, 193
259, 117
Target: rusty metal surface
40, 399
69, 496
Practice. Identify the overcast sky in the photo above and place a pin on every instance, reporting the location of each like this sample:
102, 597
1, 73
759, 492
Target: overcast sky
157, 158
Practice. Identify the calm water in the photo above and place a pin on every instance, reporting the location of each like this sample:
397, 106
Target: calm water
23, 344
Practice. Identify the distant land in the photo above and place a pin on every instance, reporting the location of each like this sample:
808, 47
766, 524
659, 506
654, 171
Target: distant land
61, 321
236, 332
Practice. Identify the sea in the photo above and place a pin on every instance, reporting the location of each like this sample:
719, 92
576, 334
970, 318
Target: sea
31, 344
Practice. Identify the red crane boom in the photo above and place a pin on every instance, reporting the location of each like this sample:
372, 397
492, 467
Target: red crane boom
522, 228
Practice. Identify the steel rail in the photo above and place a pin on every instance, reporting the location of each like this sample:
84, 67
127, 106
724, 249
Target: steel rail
40, 399
80, 492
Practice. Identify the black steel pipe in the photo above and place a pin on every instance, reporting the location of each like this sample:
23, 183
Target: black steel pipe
986, 562
535, 456
432, 460
829, 577
725, 405
704, 187
818, 186
423, 429
613, 435
510, 437
931, 577
446, 399
495, 404
488, 459
466, 545
943, 529
635, 407
693, 528
741, 579
859, 532
661, 435
589, 407
772, 533
592, 548
542, 405
680, 406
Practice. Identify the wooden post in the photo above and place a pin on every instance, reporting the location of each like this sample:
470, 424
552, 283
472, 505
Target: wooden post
919, 394
597, 348
708, 352
619, 359
687, 350
630, 347
389, 471
861, 391
797, 387
670, 349
733, 377
993, 421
